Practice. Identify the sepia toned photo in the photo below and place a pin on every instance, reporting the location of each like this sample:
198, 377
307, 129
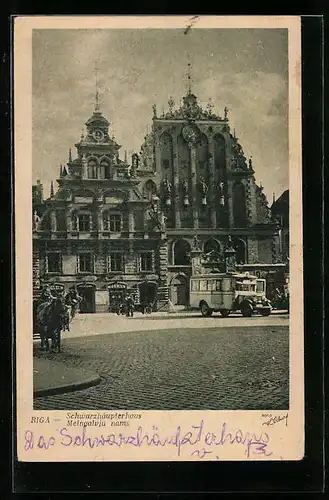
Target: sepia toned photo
158, 239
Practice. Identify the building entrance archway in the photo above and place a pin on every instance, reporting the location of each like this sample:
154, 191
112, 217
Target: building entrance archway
147, 292
179, 290
87, 293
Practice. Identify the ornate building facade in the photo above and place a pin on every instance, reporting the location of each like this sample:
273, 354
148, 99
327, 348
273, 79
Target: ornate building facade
97, 231
112, 224
206, 185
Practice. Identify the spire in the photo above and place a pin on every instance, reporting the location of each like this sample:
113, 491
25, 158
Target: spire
52, 189
125, 156
64, 172
273, 196
234, 135
61, 170
96, 87
225, 112
70, 155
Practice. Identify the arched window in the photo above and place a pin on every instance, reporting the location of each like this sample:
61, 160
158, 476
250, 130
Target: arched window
92, 169
150, 189
166, 148
202, 156
184, 156
181, 253
211, 245
239, 205
241, 251
104, 169
219, 152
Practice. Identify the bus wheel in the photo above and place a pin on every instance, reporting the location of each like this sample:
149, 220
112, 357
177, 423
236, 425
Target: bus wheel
266, 311
205, 309
225, 313
246, 310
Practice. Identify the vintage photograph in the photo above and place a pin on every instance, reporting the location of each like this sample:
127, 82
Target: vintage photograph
160, 219
159, 274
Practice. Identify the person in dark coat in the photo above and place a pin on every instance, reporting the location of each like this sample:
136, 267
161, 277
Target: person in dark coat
130, 305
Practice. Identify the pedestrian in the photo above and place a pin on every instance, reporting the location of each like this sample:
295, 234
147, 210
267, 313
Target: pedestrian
130, 305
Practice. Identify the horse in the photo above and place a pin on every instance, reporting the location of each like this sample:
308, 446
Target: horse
50, 323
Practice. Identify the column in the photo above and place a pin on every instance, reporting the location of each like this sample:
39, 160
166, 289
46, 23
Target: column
68, 221
177, 207
53, 221
230, 203
100, 218
213, 186
131, 223
194, 189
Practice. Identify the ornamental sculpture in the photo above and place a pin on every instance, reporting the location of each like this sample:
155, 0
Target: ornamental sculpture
36, 221
167, 187
203, 190
185, 193
221, 194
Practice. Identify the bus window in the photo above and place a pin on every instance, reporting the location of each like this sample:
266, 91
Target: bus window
218, 285
203, 285
243, 287
226, 285
211, 285
260, 286
195, 285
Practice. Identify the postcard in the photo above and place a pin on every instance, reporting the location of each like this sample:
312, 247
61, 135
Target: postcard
158, 238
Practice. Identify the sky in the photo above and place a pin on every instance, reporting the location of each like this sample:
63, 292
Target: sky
243, 69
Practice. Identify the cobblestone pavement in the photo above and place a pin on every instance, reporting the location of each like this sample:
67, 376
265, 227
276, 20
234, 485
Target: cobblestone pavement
218, 368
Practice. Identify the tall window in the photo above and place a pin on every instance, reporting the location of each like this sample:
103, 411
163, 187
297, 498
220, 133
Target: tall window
239, 205
150, 189
116, 262
146, 261
104, 169
54, 262
166, 148
92, 169
84, 222
85, 262
181, 253
115, 223
219, 146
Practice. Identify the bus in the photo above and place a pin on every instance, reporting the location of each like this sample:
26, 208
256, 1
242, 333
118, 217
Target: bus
229, 292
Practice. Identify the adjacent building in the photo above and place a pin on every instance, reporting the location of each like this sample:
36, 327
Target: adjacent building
98, 231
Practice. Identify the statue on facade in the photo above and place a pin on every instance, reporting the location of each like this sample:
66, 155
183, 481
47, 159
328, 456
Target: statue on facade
154, 108
185, 188
250, 163
204, 190
35, 221
221, 194
167, 191
196, 243
185, 192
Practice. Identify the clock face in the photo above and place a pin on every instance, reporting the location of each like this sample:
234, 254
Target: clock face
98, 135
190, 134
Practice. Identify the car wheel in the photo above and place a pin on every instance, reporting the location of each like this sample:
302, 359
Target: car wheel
246, 310
205, 310
225, 313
